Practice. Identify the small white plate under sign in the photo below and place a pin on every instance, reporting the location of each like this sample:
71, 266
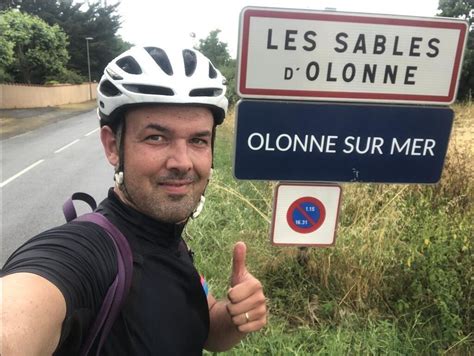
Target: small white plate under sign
305, 214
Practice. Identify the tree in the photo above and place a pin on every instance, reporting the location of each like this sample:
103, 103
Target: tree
457, 8
217, 52
39, 50
7, 4
214, 49
463, 9
6, 52
100, 23
229, 71
96, 21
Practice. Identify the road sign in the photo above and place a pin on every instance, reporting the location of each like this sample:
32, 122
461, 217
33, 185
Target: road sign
303, 141
318, 55
305, 214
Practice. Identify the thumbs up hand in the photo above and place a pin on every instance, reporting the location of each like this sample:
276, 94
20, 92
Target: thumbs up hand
247, 306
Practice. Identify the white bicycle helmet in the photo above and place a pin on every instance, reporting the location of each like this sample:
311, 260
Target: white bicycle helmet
155, 75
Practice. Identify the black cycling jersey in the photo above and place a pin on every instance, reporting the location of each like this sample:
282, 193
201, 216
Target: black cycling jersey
166, 311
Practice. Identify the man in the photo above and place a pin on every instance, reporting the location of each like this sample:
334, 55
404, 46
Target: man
158, 110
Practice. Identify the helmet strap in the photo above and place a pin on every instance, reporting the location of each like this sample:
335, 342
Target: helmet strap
120, 137
119, 176
199, 207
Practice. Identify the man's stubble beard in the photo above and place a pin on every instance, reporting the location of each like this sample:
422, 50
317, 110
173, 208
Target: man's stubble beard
172, 209
161, 206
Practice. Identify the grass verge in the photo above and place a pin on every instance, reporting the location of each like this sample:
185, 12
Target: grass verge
399, 280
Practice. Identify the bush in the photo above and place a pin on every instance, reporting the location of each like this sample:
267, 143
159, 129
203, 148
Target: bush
66, 76
5, 77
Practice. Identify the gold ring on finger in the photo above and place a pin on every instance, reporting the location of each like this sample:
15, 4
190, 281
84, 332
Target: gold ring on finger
247, 318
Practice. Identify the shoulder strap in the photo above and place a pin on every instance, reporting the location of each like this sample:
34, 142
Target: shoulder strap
69, 210
118, 291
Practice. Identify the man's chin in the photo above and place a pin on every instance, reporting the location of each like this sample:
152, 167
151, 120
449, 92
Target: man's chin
168, 208
176, 197
173, 218
174, 210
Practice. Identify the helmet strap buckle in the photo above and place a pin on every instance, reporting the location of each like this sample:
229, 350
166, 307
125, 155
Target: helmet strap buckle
199, 208
118, 178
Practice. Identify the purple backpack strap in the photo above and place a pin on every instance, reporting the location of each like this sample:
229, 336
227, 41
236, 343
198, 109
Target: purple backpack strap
68, 207
118, 290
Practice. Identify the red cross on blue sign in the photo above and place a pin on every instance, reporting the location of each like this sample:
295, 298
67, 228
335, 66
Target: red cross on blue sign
306, 215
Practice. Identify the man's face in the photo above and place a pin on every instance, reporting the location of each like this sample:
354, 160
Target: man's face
167, 160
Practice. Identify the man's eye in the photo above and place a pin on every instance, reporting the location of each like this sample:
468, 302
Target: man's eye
155, 138
199, 141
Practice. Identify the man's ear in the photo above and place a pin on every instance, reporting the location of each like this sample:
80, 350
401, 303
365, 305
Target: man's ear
109, 142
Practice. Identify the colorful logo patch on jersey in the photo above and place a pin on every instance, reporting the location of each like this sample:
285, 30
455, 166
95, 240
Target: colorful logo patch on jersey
204, 286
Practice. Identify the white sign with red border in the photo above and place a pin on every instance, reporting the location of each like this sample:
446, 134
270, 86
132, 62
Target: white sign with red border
305, 214
319, 55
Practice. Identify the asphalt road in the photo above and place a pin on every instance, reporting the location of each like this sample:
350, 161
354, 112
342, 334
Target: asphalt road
41, 169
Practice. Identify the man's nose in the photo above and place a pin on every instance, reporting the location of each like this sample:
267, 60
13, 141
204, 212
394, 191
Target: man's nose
178, 158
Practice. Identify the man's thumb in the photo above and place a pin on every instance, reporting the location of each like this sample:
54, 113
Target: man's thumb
239, 270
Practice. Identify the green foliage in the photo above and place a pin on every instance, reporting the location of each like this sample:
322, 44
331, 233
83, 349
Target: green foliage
102, 24
466, 84
399, 280
352, 337
214, 49
39, 49
463, 9
456, 8
5, 77
97, 21
219, 55
6, 52
6, 46
436, 276
121, 45
229, 71
66, 76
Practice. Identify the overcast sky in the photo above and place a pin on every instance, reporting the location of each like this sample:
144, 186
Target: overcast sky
149, 21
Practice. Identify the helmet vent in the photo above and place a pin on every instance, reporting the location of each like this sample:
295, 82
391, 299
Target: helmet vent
129, 65
206, 92
161, 58
212, 72
190, 62
108, 89
114, 75
149, 89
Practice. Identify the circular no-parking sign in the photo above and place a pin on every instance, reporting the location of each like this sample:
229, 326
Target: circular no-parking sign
306, 215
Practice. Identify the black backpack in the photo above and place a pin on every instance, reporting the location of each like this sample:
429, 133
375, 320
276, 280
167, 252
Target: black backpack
118, 290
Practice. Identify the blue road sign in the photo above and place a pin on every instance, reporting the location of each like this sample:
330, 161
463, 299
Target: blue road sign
299, 141
306, 215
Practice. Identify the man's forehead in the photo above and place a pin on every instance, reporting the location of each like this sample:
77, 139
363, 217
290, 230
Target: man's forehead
169, 110
185, 120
